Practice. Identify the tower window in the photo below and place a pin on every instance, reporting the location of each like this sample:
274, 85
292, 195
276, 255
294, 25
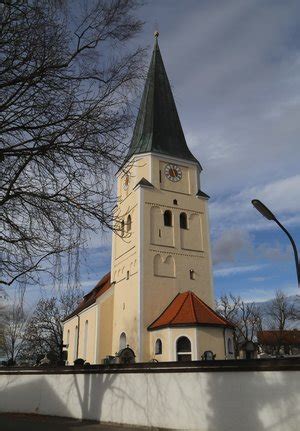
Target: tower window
122, 227
168, 218
192, 274
129, 223
183, 221
127, 275
158, 347
175, 202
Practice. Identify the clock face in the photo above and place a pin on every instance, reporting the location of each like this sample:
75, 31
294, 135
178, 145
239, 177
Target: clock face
173, 172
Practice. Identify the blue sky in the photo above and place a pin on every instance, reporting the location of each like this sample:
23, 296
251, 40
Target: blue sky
234, 67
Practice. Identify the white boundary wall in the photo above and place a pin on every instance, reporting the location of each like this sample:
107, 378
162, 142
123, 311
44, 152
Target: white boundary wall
206, 401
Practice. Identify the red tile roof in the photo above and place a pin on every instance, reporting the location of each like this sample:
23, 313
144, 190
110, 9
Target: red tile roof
273, 338
187, 309
90, 298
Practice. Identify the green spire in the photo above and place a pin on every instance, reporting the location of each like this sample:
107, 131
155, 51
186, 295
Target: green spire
158, 127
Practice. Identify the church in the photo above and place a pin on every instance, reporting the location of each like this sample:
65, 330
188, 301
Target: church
157, 301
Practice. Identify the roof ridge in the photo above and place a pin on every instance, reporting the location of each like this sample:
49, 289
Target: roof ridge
181, 305
193, 307
164, 310
211, 309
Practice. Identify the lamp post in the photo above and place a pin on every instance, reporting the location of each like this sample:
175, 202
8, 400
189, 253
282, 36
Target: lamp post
270, 216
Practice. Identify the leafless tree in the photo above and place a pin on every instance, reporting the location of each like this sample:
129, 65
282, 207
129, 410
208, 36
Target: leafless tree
44, 333
13, 325
281, 313
67, 73
245, 316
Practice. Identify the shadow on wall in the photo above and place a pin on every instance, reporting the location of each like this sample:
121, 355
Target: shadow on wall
208, 401
36, 397
113, 397
227, 401
254, 401
83, 395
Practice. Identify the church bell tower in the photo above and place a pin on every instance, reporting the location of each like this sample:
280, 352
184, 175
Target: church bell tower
162, 246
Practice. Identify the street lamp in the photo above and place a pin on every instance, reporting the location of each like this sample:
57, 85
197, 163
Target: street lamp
270, 216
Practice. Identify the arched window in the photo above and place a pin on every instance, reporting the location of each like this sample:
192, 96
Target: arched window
183, 349
183, 221
192, 274
229, 346
158, 347
85, 341
128, 223
68, 338
122, 227
75, 353
175, 202
127, 275
168, 218
122, 341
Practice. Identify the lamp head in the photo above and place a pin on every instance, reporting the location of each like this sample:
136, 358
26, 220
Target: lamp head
263, 209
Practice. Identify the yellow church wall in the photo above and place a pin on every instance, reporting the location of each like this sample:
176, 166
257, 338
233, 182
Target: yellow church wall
105, 322
202, 338
125, 313
87, 334
69, 337
167, 264
164, 336
86, 344
211, 338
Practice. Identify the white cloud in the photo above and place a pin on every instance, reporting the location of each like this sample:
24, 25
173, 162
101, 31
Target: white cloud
281, 196
234, 270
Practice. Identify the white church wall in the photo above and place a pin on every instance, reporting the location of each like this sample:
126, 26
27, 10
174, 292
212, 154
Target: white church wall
259, 400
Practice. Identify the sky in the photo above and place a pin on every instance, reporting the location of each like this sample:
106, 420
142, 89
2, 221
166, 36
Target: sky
234, 67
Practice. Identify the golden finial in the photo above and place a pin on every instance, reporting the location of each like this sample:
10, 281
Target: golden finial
156, 34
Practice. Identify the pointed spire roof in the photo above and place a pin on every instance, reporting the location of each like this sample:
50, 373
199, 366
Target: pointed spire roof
187, 309
158, 127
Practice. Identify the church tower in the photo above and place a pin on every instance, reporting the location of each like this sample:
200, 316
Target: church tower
158, 298
164, 247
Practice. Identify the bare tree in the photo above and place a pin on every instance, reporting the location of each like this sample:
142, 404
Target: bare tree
66, 78
44, 333
13, 325
281, 313
245, 316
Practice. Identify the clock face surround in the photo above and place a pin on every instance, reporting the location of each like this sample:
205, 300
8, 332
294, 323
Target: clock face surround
173, 172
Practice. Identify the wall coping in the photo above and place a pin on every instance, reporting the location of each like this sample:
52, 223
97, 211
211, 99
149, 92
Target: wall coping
283, 364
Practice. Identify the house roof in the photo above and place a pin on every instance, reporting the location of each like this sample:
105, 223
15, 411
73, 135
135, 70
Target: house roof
90, 298
158, 127
273, 338
187, 309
